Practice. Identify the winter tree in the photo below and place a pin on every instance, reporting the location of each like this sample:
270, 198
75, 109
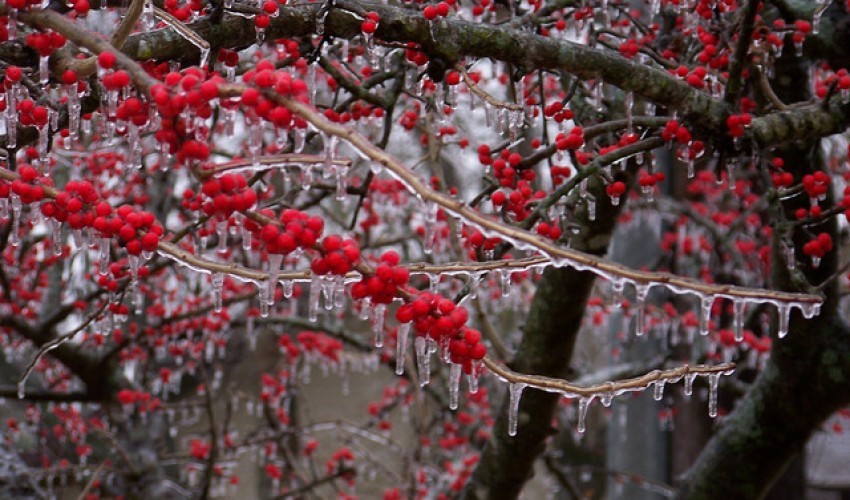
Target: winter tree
205, 205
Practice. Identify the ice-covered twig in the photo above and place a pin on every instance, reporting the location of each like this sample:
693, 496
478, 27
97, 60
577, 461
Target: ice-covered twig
521, 238
616, 387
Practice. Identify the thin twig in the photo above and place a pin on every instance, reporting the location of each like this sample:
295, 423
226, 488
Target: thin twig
616, 387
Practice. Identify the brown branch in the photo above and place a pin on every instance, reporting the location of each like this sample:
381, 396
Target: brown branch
58, 22
483, 94
617, 387
522, 238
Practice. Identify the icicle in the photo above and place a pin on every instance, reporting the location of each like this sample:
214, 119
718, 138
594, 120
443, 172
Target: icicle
378, 324
433, 282
148, 19
275, 260
339, 292
641, 290
423, 360
628, 103
43, 69
287, 286
221, 231
246, 237
15, 232
454, 384
583, 405
658, 390
706, 304
218, 284
315, 295
251, 333
617, 286
738, 320
43, 140
591, 208
472, 377
713, 380
341, 182
810, 310
431, 210
818, 14
311, 81
300, 140
506, 283
689, 383
56, 236
515, 390
401, 347
607, 397
783, 311
103, 255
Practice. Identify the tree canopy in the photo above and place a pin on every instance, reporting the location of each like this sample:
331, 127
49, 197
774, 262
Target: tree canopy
203, 201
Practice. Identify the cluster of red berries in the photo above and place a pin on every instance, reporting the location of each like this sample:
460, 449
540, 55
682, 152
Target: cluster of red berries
441, 320
143, 400
737, 124
432, 12
616, 190
319, 344
673, 131
816, 185
296, 229
370, 24
136, 230
648, 180
133, 110
221, 196
24, 187
557, 112
339, 255
69, 204
182, 13
192, 90
695, 78
516, 202
21, 4
506, 168
819, 246
45, 43
31, 114
573, 140
382, 286
477, 240
547, 230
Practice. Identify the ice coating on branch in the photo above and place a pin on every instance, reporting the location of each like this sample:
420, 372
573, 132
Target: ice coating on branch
515, 390
455, 371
